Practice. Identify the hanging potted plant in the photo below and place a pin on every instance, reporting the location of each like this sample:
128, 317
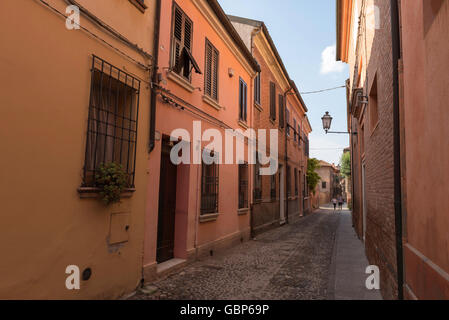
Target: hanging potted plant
111, 179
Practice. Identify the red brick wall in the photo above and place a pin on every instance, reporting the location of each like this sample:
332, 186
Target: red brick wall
378, 158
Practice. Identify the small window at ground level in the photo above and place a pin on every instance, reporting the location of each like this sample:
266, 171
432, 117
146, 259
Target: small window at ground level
243, 186
209, 187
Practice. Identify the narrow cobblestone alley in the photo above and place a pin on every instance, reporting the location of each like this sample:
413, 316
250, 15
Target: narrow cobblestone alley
288, 263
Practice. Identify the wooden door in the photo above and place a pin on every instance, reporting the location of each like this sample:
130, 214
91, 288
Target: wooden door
167, 208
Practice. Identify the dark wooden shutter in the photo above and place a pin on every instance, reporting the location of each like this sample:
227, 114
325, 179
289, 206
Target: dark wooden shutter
272, 101
257, 89
281, 111
299, 134
187, 33
215, 56
243, 91
211, 73
208, 73
182, 38
177, 36
294, 129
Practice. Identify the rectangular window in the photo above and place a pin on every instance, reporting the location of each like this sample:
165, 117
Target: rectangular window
181, 43
211, 72
257, 181
294, 129
242, 100
112, 121
243, 186
373, 108
287, 119
272, 101
281, 111
306, 149
273, 187
289, 184
257, 89
209, 187
299, 134
305, 191
296, 183
324, 185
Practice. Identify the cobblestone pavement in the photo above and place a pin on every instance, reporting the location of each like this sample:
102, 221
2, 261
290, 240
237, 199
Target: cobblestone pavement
287, 263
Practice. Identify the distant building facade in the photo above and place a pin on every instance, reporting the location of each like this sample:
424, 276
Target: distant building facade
279, 106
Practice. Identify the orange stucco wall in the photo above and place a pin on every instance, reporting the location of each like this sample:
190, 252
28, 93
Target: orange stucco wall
44, 101
425, 59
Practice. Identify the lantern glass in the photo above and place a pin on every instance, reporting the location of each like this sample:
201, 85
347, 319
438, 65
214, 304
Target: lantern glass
327, 121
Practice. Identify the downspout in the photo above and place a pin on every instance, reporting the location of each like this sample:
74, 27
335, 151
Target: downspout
286, 124
396, 52
154, 81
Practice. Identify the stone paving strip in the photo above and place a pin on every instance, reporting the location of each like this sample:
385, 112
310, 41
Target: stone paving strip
288, 263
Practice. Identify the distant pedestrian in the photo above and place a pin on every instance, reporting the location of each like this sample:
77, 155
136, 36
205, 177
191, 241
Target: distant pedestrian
340, 202
334, 202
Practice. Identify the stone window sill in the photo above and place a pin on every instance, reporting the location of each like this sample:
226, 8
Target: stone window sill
243, 211
243, 124
209, 217
214, 104
180, 81
139, 4
94, 193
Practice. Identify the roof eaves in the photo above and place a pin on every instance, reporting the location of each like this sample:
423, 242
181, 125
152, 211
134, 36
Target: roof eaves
218, 10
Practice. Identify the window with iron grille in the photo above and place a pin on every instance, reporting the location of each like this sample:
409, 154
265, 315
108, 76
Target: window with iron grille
211, 72
243, 186
287, 119
209, 187
305, 191
272, 101
181, 43
289, 184
257, 89
324, 185
296, 183
294, 129
257, 180
306, 146
243, 89
112, 121
281, 111
273, 187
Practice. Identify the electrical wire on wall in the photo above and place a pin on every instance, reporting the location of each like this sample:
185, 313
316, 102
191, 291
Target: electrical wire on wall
323, 90
96, 36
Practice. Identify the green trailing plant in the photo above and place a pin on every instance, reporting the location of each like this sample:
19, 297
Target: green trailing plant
345, 164
111, 179
312, 176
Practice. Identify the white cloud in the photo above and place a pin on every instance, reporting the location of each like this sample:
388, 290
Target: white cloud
329, 61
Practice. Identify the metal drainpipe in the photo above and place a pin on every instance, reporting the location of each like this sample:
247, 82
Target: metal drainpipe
396, 52
153, 98
286, 153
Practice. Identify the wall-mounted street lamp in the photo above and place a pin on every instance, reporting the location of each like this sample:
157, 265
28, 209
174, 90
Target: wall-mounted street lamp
327, 122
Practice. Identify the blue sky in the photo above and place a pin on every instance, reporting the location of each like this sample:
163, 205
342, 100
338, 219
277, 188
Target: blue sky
302, 30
